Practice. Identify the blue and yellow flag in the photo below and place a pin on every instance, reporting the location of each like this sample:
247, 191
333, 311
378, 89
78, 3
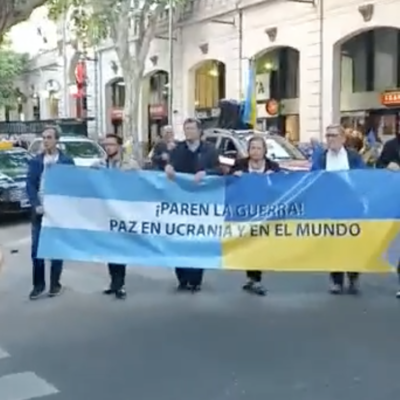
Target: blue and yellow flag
250, 102
305, 221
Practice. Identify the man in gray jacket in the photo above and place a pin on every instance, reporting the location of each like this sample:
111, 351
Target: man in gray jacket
113, 147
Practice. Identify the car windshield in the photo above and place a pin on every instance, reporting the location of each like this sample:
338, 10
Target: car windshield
82, 149
75, 149
279, 148
10, 160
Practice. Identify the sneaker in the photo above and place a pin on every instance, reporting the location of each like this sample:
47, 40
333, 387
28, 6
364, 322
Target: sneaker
120, 294
182, 287
108, 291
258, 289
336, 289
398, 294
36, 293
195, 288
56, 290
353, 288
248, 285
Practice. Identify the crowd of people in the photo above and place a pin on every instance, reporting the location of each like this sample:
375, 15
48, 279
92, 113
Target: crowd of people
199, 158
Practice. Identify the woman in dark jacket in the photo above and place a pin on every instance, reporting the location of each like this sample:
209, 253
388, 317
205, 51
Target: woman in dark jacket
256, 162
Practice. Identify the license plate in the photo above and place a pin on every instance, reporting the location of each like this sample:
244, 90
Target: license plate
25, 203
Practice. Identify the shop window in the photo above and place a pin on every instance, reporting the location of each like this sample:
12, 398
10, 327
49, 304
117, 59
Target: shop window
53, 106
209, 84
118, 94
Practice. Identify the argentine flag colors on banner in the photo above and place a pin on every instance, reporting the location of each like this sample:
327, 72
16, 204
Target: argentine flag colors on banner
312, 221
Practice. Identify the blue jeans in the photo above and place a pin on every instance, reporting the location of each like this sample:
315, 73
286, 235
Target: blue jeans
38, 264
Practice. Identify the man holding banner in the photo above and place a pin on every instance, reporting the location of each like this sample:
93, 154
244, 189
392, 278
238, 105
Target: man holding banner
34, 187
338, 158
114, 150
197, 157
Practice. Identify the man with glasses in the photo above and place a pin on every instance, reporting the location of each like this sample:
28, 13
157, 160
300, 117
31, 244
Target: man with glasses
34, 186
115, 160
338, 158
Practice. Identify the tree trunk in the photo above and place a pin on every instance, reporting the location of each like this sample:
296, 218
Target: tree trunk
131, 116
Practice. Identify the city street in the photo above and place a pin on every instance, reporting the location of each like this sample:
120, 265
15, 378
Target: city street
298, 343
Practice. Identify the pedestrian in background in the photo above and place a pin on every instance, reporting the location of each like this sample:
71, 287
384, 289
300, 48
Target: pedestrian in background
197, 157
257, 162
115, 160
338, 158
163, 148
37, 170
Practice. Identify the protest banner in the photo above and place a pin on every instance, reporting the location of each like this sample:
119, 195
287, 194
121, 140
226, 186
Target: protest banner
311, 221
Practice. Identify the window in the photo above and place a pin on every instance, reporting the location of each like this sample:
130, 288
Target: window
13, 160
227, 144
118, 94
36, 147
212, 139
82, 149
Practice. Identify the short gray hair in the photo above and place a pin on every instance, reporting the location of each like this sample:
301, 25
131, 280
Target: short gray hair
166, 128
337, 128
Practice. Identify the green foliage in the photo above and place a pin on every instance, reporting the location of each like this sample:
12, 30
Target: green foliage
12, 65
94, 20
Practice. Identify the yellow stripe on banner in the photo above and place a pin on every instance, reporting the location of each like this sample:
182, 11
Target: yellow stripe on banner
309, 245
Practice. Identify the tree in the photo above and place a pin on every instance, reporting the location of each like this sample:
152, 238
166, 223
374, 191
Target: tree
131, 25
12, 65
13, 12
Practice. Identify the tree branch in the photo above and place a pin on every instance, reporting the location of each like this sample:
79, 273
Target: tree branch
13, 12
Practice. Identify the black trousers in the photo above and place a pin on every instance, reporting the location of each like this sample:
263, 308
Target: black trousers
189, 276
38, 264
117, 274
255, 276
338, 277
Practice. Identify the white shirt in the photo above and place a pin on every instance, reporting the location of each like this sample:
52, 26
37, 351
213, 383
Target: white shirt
48, 159
337, 161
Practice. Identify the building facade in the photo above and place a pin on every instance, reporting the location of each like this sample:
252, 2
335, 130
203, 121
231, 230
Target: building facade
316, 64
335, 61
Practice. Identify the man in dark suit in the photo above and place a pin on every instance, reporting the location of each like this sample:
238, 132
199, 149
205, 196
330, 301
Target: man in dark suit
197, 157
338, 158
34, 186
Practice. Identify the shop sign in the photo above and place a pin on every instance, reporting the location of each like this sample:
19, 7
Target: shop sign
157, 111
272, 107
262, 87
117, 113
391, 98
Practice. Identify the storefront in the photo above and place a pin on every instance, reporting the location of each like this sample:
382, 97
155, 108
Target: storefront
158, 117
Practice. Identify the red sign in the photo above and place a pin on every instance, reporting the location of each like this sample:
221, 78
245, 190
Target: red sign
391, 98
272, 107
157, 111
117, 114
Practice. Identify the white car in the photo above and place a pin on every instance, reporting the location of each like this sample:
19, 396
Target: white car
85, 152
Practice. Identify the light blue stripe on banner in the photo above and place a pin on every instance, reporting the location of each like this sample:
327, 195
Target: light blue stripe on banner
122, 248
149, 186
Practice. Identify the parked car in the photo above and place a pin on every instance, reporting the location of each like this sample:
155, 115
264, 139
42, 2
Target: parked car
85, 152
234, 144
13, 173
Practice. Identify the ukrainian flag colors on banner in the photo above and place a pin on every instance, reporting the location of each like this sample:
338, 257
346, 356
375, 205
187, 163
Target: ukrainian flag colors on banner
312, 221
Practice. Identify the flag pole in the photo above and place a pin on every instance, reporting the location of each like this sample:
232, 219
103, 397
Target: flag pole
171, 60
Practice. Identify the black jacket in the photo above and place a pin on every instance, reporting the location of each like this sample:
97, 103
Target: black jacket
243, 165
390, 153
157, 160
205, 158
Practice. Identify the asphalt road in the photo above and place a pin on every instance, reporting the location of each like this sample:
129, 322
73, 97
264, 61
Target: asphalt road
297, 343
